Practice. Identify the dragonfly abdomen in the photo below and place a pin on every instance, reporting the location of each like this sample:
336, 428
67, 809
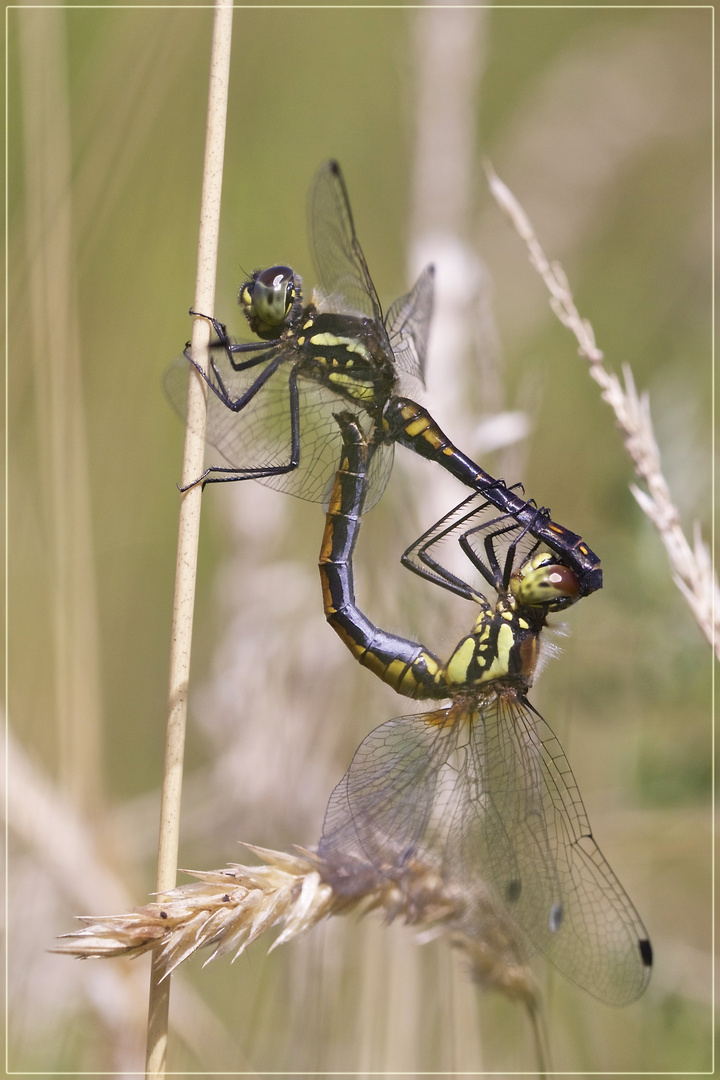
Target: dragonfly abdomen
406, 666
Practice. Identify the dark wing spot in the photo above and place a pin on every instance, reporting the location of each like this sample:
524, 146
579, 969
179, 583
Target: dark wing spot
513, 890
646, 952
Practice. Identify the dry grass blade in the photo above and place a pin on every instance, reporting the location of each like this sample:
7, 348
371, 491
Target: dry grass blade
691, 565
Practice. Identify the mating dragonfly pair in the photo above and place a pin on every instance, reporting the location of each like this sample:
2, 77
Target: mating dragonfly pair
481, 788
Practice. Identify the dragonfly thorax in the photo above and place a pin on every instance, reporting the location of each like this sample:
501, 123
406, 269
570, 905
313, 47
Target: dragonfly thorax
503, 644
347, 354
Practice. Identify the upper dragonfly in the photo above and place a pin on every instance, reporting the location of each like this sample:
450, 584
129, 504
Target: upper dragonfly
270, 410
478, 794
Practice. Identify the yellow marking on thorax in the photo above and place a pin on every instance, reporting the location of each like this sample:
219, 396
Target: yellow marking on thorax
362, 390
456, 671
501, 664
332, 340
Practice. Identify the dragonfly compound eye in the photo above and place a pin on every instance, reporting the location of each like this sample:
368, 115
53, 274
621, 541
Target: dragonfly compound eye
272, 294
551, 584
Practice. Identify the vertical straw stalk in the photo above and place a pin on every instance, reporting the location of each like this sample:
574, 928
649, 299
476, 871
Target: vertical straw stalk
52, 316
189, 524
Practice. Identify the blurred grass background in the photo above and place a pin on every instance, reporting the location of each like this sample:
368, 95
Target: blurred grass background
599, 121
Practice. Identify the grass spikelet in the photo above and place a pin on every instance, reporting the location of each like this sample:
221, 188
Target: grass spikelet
691, 565
227, 910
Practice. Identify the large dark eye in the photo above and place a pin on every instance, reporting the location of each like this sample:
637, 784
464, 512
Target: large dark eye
272, 294
552, 584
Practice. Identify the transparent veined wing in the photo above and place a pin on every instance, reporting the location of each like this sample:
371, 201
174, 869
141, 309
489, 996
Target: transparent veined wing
518, 820
260, 436
484, 794
408, 325
378, 814
339, 259
346, 280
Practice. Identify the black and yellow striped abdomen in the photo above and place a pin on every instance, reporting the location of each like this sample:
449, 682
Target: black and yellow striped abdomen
501, 644
406, 666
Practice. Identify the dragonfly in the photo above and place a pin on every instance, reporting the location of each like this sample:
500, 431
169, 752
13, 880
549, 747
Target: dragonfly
480, 790
271, 401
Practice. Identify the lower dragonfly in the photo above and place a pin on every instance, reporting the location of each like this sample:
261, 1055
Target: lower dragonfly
480, 789
271, 401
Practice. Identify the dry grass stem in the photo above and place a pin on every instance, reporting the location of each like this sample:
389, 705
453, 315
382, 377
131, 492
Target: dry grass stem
227, 910
189, 525
64, 518
691, 565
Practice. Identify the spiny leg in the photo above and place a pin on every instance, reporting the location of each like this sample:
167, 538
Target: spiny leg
412, 425
235, 474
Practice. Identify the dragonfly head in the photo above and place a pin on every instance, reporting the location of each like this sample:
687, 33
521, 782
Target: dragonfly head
541, 582
270, 299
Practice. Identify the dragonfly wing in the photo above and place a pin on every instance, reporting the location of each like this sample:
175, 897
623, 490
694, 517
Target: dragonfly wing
321, 443
259, 436
258, 358
175, 384
408, 325
529, 835
339, 259
379, 470
379, 812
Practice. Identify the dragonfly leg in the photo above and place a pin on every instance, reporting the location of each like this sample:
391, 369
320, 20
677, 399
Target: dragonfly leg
420, 560
219, 328
412, 425
217, 474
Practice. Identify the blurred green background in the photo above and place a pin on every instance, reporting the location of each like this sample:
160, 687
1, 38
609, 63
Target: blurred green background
599, 120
